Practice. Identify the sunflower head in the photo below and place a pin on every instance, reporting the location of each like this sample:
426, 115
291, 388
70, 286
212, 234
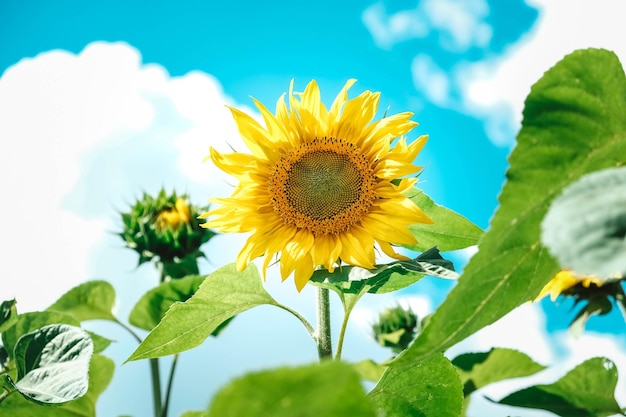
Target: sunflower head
320, 186
564, 281
165, 229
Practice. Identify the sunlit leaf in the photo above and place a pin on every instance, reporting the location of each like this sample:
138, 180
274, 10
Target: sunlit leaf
586, 391
222, 295
153, 305
329, 389
88, 301
53, 363
31, 321
100, 374
449, 230
573, 124
480, 369
427, 389
370, 370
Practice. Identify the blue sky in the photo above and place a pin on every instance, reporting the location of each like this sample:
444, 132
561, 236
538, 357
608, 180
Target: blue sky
101, 101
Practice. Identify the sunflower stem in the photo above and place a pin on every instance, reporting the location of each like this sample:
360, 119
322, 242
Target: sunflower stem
323, 339
342, 332
168, 391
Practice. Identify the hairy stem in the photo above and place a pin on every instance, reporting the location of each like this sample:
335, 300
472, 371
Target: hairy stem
323, 339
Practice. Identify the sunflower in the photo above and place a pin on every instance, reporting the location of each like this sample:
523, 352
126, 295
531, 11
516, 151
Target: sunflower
321, 186
564, 280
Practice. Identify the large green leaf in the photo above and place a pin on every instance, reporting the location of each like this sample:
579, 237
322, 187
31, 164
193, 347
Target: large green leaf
151, 308
480, 369
222, 295
88, 301
29, 322
449, 230
430, 388
586, 391
573, 124
329, 389
53, 363
100, 375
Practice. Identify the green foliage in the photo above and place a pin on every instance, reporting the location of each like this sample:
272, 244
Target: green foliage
586, 225
32, 321
151, 308
53, 363
91, 300
369, 370
573, 124
480, 369
8, 314
222, 295
449, 230
329, 389
351, 282
430, 388
586, 391
100, 374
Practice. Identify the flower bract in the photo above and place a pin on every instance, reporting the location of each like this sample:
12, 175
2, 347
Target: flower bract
320, 185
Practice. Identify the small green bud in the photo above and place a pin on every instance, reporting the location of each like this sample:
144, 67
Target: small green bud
396, 328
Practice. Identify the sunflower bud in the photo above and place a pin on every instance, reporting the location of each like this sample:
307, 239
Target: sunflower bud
165, 230
396, 328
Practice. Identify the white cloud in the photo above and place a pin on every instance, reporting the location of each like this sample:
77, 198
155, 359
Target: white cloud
431, 80
458, 24
82, 136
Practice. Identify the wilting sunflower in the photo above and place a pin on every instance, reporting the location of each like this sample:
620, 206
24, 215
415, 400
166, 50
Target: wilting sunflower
318, 188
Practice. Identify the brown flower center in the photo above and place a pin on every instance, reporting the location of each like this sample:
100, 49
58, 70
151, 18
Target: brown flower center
324, 186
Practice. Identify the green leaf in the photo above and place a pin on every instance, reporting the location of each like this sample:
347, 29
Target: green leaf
370, 370
195, 414
585, 227
385, 278
573, 124
449, 230
222, 295
31, 321
586, 391
100, 374
329, 389
151, 308
480, 369
8, 314
426, 389
99, 342
88, 301
53, 364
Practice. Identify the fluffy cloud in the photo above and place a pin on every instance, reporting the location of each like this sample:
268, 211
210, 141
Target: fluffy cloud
82, 136
561, 28
458, 25
494, 89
